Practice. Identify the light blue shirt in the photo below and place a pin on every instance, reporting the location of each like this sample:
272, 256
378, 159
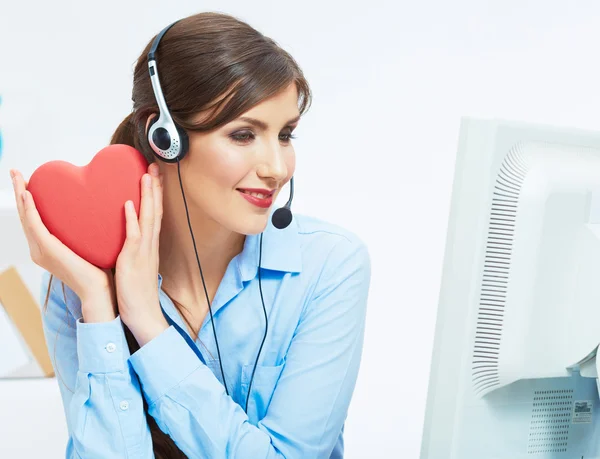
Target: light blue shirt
315, 282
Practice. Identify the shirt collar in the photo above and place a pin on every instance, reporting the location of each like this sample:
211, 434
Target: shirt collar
281, 251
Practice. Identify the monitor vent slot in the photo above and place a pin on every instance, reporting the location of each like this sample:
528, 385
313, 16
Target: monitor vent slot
550, 421
501, 227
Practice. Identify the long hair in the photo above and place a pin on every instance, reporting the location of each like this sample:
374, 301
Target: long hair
212, 63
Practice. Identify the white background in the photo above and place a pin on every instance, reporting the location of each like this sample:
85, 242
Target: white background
376, 152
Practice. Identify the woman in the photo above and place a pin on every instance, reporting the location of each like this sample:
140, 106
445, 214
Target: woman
256, 383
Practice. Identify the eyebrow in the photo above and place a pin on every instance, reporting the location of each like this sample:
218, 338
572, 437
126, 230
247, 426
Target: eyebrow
261, 124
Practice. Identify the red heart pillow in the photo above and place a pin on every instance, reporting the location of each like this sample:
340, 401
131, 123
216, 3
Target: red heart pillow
84, 206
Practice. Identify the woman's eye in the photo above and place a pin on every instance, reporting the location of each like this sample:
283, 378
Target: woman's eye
287, 137
244, 137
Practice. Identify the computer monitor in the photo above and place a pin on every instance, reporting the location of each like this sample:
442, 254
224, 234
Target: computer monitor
513, 371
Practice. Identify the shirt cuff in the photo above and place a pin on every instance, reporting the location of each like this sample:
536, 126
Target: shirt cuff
163, 363
101, 346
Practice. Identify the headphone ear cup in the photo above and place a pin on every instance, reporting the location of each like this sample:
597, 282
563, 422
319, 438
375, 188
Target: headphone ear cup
184, 141
161, 138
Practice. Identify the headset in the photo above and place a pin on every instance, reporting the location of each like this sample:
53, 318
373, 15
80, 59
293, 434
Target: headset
170, 144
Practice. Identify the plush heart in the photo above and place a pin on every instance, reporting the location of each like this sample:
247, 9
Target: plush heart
84, 206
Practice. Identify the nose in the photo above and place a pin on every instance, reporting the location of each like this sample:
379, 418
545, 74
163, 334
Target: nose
273, 164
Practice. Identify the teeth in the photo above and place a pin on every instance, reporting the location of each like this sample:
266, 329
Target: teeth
258, 195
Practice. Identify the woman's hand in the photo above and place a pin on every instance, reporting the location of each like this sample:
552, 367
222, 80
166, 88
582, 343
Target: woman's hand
136, 273
91, 284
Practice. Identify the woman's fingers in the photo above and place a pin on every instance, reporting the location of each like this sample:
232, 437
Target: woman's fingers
147, 209
33, 221
33, 227
158, 209
141, 233
132, 227
18, 188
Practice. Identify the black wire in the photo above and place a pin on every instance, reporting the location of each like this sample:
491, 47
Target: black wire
208, 300
202, 276
266, 324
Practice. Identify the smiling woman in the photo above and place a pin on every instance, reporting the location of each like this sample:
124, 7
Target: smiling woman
136, 350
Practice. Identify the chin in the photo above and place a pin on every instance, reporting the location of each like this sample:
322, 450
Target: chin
251, 225
259, 226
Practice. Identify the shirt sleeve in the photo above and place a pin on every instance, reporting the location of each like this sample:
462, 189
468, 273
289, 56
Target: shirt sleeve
311, 398
100, 392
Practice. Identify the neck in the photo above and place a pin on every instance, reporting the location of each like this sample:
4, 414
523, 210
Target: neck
215, 244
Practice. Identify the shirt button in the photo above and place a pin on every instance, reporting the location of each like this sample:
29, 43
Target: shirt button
124, 405
111, 347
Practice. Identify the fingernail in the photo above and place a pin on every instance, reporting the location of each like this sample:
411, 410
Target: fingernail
129, 205
154, 169
12, 174
147, 181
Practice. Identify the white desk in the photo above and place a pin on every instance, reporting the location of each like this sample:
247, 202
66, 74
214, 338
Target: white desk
32, 420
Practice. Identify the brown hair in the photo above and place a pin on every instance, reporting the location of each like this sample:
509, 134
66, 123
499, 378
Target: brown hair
213, 63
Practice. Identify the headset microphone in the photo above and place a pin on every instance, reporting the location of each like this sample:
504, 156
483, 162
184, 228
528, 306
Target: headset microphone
282, 217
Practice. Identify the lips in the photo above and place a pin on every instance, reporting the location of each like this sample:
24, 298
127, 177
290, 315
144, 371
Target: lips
263, 203
262, 191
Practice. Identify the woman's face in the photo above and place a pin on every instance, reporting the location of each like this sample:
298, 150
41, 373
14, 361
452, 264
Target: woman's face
240, 155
